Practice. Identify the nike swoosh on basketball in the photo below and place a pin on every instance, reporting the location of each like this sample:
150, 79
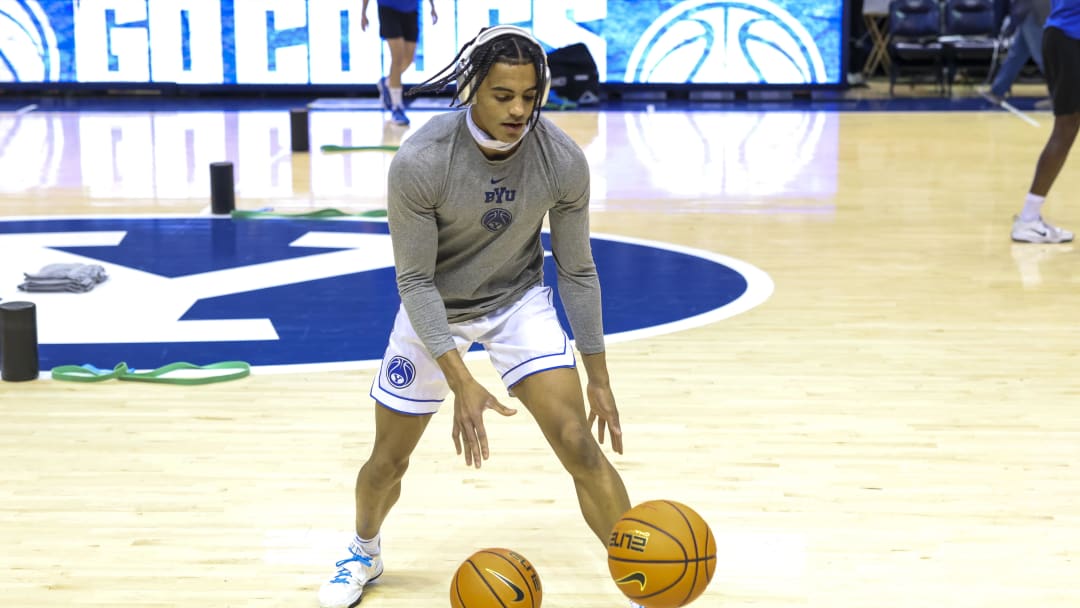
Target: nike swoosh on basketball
495, 181
518, 593
634, 577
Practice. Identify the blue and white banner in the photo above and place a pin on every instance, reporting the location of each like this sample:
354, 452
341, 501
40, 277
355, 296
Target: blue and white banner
299, 42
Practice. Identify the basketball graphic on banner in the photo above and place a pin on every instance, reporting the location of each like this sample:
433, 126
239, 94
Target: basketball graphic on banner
735, 41
27, 43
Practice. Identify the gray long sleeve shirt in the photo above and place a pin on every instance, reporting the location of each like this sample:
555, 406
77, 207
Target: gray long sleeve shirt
466, 229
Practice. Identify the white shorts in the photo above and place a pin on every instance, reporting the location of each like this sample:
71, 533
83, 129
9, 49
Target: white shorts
521, 339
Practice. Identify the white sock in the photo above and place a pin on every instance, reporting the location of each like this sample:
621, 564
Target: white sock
395, 98
370, 547
1032, 208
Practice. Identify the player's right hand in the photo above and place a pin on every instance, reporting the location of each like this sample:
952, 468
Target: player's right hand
468, 432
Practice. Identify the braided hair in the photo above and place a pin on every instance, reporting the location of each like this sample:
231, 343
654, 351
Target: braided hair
470, 67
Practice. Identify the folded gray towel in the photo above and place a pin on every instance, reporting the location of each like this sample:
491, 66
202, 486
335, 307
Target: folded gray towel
74, 272
75, 278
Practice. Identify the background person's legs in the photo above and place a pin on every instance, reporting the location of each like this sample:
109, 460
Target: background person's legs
1055, 153
1026, 44
401, 57
1031, 31
1017, 58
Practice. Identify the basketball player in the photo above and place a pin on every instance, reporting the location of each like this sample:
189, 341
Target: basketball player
1061, 55
468, 193
399, 26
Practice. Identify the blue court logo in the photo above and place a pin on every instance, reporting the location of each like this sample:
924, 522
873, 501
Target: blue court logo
292, 295
400, 372
737, 41
28, 50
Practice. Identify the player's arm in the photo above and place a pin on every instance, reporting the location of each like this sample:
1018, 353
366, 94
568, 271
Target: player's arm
363, 16
411, 209
434, 15
411, 213
579, 289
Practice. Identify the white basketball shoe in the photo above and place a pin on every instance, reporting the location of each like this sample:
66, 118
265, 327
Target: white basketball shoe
1038, 231
344, 589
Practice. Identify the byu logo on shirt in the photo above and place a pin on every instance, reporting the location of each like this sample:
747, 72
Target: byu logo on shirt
497, 219
500, 195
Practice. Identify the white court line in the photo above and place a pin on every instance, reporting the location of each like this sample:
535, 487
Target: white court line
1024, 117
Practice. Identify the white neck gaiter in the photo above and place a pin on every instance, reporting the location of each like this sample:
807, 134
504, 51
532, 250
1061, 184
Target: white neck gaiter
486, 141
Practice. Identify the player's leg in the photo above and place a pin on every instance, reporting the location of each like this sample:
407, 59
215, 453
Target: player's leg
394, 93
391, 30
555, 400
402, 51
378, 484
1032, 31
408, 389
1055, 153
1019, 54
1061, 57
400, 60
532, 353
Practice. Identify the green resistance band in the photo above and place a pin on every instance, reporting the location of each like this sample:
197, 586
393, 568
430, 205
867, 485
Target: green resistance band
315, 215
336, 148
222, 371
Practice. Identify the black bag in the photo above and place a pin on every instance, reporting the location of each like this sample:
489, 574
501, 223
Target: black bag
574, 75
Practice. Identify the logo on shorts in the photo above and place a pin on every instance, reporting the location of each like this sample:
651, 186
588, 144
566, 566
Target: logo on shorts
400, 372
497, 219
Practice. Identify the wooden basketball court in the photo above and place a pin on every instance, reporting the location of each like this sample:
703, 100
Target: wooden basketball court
898, 425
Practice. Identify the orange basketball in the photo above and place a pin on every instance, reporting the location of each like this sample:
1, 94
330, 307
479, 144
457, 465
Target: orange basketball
495, 578
662, 554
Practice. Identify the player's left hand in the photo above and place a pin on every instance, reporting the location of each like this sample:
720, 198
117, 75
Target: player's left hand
434, 16
602, 409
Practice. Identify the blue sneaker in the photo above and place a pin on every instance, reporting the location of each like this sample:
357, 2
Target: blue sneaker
397, 116
384, 92
354, 572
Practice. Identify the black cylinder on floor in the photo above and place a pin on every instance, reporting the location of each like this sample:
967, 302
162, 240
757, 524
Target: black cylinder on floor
18, 342
222, 190
298, 128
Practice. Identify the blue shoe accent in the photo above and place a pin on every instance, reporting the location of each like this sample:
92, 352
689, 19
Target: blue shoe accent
398, 117
384, 92
343, 573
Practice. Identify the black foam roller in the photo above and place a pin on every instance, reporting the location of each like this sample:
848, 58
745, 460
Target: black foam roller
298, 129
222, 189
18, 342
